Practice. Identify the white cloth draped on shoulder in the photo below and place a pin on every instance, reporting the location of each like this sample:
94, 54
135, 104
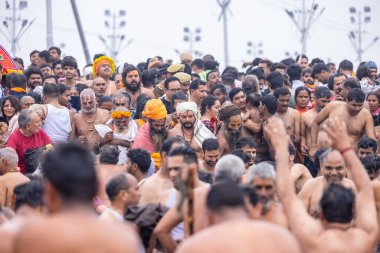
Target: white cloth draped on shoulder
200, 131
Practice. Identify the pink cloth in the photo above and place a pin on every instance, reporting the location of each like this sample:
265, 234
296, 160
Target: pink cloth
143, 140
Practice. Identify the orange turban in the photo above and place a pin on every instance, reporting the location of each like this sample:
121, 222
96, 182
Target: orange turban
99, 62
155, 109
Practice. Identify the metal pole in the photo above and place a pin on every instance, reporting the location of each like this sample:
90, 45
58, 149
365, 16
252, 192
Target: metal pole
113, 38
49, 24
303, 31
81, 33
360, 37
13, 47
226, 58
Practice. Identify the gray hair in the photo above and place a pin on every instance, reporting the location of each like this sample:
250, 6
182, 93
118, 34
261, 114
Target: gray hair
109, 154
22, 100
229, 167
10, 155
25, 117
251, 81
39, 109
264, 170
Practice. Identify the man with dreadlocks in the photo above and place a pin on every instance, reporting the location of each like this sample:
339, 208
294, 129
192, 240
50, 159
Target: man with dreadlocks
182, 165
231, 128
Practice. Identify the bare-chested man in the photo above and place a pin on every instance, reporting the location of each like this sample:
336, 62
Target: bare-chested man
122, 190
227, 215
29, 204
132, 83
335, 232
183, 169
239, 99
322, 98
72, 225
10, 176
106, 169
190, 127
99, 86
88, 117
229, 167
299, 173
230, 131
333, 171
263, 177
153, 187
289, 116
359, 122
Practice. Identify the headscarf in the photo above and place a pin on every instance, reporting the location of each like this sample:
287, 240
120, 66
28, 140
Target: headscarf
155, 109
200, 131
99, 62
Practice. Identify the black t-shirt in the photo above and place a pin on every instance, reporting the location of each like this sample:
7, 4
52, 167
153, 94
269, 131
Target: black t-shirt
168, 105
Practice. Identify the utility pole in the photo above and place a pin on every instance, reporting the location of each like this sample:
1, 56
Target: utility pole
224, 5
10, 24
308, 18
49, 24
116, 39
81, 33
192, 38
356, 36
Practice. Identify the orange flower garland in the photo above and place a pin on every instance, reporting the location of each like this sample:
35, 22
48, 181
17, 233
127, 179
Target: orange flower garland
120, 114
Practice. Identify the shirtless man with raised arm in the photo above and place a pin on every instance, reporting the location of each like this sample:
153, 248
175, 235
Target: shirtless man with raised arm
335, 232
359, 122
72, 225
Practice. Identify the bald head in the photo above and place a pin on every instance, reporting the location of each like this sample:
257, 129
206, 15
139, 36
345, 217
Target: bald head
333, 167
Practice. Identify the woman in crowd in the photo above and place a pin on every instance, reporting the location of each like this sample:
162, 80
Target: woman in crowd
302, 97
209, 110
10, 108
373, 100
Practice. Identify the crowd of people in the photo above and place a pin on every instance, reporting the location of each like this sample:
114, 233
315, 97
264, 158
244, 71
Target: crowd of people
186, 157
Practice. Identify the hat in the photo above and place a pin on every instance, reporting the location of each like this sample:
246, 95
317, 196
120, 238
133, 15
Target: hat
174, 68
185, 56
155, 109
154, 63
183, 77
371, 65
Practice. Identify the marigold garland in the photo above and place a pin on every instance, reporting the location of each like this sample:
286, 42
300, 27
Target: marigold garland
120, 114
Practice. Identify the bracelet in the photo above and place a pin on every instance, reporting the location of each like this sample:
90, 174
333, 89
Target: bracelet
345, 150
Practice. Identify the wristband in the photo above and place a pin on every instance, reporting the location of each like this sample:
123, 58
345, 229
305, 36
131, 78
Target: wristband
345, 150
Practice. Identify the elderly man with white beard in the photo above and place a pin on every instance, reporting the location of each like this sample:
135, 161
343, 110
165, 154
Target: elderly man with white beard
190, 127
88, 117
121, 130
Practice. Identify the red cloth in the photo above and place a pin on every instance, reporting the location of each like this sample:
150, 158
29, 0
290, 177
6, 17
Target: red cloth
143, 139
21, 143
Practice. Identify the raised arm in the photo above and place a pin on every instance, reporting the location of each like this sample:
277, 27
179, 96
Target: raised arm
365, 204
303, 225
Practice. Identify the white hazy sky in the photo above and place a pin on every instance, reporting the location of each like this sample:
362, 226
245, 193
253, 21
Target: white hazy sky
156, 28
